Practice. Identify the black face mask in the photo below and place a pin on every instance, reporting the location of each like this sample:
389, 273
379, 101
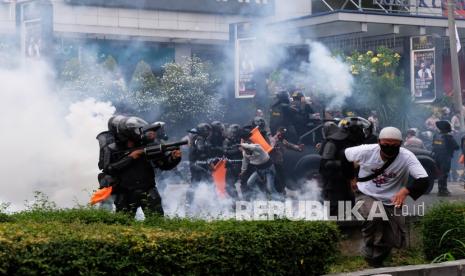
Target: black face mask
389, 150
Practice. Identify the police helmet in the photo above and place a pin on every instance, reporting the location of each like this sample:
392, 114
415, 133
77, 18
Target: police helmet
204, 129
113, 123
358, 128
161, 130
297, 95
329, 128
233, 131
132, 128
282, 96
217, 127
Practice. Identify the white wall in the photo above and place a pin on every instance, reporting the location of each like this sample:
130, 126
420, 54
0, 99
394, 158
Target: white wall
7, 18
286, 9
150, 24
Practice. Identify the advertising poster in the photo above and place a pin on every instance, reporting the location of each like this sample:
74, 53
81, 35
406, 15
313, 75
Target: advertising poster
422, 73
246, 86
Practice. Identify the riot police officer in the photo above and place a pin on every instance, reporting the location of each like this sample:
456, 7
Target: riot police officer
217, 138
282, 115
303, 112
135, 186
261, 124
444, 146
199, 152
336, 172
233, 153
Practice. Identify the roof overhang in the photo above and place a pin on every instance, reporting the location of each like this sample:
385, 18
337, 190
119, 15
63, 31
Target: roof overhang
340, 23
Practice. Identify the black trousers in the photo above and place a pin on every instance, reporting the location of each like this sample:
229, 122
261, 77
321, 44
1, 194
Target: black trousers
232, 176
280, 181
444, 164
380, 236
148, 199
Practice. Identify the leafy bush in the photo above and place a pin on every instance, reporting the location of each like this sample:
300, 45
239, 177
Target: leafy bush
76, 242
188, 92
445, 217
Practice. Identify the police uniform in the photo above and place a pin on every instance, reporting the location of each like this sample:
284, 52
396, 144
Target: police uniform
444, 146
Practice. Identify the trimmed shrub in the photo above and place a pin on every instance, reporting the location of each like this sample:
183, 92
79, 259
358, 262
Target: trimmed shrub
163, 246
442, 218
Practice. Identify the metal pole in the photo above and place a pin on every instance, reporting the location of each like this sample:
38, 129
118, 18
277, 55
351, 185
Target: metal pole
455, 62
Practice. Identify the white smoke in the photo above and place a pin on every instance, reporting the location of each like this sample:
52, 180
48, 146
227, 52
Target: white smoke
327, 75
46, 145
206, 203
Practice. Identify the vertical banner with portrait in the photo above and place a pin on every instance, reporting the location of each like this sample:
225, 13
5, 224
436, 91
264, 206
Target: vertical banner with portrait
32, 40
35, 21
246, 85
422, 69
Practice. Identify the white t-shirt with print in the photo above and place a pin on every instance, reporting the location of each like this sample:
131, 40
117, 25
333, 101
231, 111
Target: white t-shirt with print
386, 185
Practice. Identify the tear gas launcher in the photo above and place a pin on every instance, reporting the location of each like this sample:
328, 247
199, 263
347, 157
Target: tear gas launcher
158, 151
155, 152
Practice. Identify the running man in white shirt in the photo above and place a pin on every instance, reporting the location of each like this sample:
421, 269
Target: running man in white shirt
383, 177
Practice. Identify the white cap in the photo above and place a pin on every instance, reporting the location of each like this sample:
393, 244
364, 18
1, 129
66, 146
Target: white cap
390, 133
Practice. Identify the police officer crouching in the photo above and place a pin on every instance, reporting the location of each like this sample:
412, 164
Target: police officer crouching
444, 146
336, 171
134, 173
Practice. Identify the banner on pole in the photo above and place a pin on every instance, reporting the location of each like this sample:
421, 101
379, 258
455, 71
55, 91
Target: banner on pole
422, 69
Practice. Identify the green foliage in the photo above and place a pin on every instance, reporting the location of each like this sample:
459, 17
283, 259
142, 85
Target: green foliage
3, 212
85, 77
444, 231
41, 202
80, 215
378, 87
91, 242
188, 92
144, 88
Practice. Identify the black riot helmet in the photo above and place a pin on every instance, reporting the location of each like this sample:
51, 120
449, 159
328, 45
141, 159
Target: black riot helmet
444, 126
283, 97
217, 127
259, 122
329, 128
161, 131
234, 132
357, 128
113, 123
135, 129
204, 129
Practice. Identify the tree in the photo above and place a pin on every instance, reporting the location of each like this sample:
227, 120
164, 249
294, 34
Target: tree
188, 93
378, 87
82, 78
144, 88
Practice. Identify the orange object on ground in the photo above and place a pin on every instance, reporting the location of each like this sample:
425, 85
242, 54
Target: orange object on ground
257, 138
100, 195
219, 177
461, 159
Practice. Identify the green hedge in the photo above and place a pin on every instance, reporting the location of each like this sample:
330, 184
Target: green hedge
437, 221
53, 243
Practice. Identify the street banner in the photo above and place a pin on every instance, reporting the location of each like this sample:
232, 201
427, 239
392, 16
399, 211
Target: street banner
246, 85
422, 69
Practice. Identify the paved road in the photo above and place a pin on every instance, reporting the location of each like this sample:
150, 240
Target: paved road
457, 194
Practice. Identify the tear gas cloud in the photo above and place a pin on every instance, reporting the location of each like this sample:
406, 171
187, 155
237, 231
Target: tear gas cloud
46, 145
322, 74
48, 138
